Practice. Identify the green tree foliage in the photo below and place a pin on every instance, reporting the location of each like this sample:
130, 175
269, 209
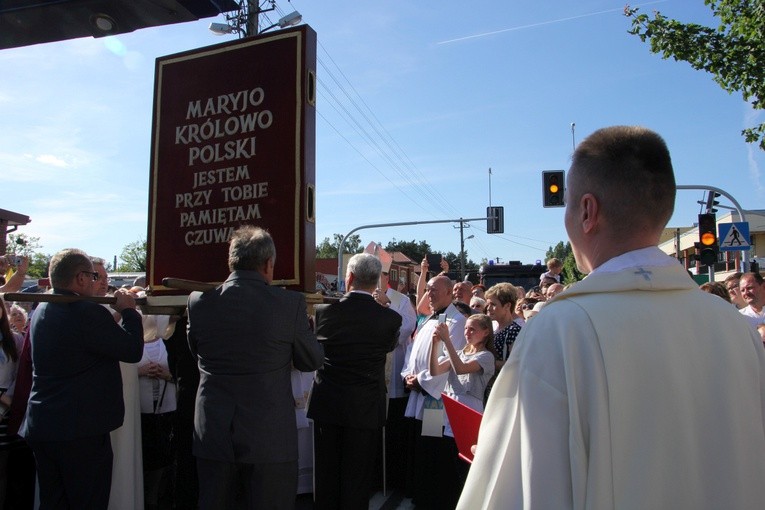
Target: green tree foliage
454, 262
22, 244
38, 265
328, 249
415, 250
570, 273
733, 53
133, 257
561, 251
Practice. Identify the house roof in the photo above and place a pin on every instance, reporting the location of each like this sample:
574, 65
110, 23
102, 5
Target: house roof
14, 218
401, 259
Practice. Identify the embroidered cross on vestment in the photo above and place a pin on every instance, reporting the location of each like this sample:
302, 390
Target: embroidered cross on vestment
644, 273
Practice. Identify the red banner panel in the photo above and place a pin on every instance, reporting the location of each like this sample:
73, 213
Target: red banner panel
233, 143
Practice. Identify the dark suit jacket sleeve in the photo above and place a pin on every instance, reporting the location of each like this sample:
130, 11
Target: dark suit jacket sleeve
122, 343
396, 325
307, 354
190, 337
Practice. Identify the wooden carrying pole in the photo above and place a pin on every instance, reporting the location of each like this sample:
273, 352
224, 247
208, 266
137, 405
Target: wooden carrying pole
147, 307
157, 305
61, 298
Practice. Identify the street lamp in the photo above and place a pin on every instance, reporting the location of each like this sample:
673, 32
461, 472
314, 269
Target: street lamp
245, 21
462, 250
289, 20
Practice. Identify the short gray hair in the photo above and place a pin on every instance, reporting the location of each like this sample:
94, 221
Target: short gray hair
366, 269
250, 248
66, 265
475, 299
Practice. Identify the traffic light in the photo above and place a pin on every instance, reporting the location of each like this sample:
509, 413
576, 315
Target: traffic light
712, 201
708, 246
495, 220
553, 184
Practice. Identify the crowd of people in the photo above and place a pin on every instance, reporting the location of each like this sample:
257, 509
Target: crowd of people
629, 389
465, 363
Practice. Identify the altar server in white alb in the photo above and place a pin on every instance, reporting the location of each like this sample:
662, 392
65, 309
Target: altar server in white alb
631, 389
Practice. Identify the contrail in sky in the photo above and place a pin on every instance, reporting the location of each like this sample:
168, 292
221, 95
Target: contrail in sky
533, 25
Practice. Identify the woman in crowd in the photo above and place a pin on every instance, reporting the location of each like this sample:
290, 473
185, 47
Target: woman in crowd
716, 288
470, 370
526, 307
500, 306
478, 290
478, 305
10, 344
18, 318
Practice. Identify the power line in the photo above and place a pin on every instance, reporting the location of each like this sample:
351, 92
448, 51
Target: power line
382, 132
417, 203
368, 127
367, 130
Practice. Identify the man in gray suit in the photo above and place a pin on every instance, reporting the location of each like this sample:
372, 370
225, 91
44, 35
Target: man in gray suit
246, 336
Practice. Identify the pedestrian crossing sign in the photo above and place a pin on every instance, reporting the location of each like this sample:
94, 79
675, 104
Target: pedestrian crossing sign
734, 236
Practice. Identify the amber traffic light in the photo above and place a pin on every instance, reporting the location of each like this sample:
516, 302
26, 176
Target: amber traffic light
708, 246
553, 183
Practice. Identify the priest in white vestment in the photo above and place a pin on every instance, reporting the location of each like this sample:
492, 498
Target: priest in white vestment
631, 389
430, 457
416, 371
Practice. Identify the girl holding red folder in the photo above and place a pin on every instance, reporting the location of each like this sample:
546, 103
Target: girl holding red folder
471, 368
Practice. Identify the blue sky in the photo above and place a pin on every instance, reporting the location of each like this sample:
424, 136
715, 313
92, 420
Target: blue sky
451, 89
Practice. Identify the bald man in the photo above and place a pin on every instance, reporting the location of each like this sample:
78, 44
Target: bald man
430, 484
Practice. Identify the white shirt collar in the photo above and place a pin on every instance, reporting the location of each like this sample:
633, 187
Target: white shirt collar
645, 257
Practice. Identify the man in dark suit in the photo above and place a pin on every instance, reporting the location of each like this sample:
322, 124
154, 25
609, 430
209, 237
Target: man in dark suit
246, 336
348, 397
76, 397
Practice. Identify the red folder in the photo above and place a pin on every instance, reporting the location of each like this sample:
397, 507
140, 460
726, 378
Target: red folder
465, 423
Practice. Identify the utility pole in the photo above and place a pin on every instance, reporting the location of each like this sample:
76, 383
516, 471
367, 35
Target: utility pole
490, 187
251, 26
380, 225
462, 250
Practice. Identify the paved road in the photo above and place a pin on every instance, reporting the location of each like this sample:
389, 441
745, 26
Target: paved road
392, 501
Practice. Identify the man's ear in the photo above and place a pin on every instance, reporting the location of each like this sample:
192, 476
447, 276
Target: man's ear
589, 210
349, 280
269, 269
